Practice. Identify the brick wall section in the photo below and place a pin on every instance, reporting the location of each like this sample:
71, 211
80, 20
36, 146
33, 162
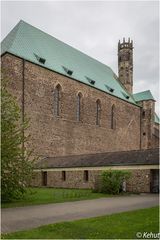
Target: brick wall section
138, 182
52, 136
155, 138
147, 124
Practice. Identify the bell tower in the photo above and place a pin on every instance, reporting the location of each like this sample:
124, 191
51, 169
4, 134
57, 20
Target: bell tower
125, 64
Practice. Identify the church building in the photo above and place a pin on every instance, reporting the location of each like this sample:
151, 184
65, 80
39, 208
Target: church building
83, 117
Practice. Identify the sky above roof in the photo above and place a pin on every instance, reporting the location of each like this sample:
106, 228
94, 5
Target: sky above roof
94, 27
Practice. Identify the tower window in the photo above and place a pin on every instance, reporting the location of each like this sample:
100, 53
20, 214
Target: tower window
113, 121
57, 100
98, 112
144, 134
86, 176
79, 106
143, 114
63, 175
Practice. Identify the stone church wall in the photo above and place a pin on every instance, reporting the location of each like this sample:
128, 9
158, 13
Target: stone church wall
60, 136
138, 182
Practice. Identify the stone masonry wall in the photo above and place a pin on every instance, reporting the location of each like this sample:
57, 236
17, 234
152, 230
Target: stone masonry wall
138, 182
60, 136
147, 123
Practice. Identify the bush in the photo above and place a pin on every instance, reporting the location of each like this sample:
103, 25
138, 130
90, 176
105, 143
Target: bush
111, 181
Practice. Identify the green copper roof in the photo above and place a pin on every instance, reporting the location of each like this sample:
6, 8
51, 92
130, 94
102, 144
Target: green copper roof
39, 47
156, 119
146, 95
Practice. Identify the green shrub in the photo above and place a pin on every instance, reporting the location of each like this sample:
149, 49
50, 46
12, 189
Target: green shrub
110, 181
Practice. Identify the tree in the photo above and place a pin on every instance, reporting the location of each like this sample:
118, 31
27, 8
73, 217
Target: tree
16, 161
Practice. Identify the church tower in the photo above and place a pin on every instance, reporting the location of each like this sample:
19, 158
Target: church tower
125, 64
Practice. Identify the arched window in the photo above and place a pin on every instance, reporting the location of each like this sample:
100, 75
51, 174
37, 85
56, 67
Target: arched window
57, 98
113, 120
79, 107
98, 112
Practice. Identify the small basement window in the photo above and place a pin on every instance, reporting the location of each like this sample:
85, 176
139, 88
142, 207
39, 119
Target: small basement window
63, 175
86, 176
109, 88
40, 59
91, 81
125, 95
68, 71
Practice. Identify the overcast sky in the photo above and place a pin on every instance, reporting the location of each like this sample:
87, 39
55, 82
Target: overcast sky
94, 27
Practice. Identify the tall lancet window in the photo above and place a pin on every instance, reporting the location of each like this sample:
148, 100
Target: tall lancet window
57, 98
98, 112
79, 107
113, 120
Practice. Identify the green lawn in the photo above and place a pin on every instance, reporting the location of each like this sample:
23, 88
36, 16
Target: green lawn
52, 195
115, 226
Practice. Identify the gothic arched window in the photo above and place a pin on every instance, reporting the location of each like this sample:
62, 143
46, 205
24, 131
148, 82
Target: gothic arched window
113, 121
79, 107
98, 112
57, 98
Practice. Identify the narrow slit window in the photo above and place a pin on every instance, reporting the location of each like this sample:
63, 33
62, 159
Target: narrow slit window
57, 100
98, 112
63, 175
79, 100
44, 178
113, 121
143, 114
86, 176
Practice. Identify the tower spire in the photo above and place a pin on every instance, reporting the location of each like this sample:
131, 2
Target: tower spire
125, 63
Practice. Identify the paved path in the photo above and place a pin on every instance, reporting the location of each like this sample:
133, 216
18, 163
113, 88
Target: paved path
23, 218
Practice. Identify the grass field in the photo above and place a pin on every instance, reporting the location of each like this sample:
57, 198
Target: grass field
35, 196
115, 226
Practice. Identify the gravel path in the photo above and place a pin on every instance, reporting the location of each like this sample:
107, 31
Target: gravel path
23, 218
